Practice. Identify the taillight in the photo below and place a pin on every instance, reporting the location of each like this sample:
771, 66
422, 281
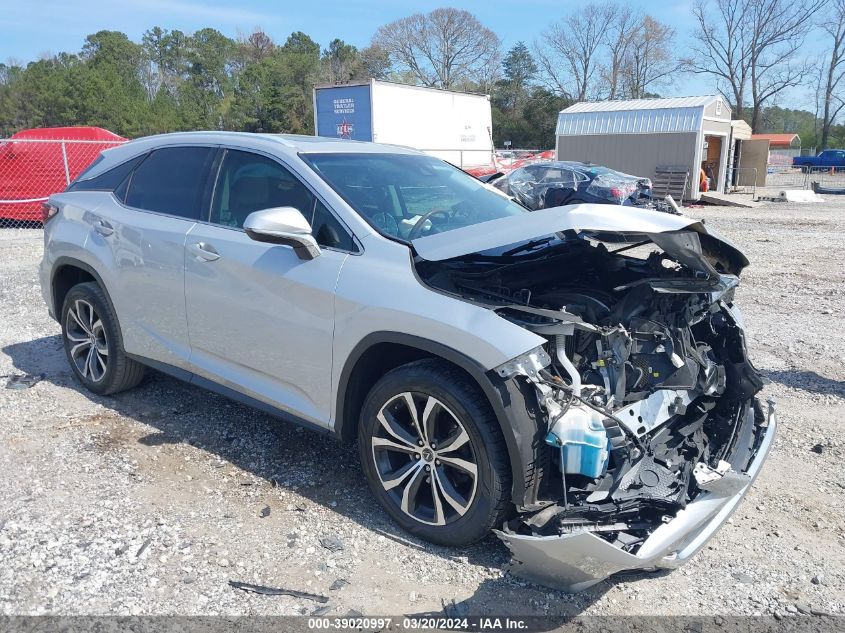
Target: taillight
48, 211
621, 192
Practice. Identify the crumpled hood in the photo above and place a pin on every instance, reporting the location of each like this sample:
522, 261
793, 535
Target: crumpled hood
685, 239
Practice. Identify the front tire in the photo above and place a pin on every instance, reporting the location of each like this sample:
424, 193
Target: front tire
93, 345
433, 453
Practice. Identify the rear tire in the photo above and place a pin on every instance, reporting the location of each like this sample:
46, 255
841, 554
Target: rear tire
446, 477
93, 344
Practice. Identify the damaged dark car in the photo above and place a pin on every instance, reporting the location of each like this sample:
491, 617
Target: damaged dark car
548, 184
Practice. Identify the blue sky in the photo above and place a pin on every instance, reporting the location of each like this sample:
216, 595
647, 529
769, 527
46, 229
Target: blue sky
35, 27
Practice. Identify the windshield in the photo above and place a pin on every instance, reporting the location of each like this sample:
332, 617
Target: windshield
406, 196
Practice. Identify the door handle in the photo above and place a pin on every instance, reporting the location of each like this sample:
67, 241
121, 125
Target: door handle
103, 228
204, 251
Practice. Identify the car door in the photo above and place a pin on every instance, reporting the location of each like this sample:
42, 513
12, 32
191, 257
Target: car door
261, 320
141, 230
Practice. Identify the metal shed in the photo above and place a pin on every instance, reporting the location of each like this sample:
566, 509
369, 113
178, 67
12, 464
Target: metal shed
650, 137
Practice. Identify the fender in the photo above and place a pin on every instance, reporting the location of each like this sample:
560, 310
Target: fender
514, 403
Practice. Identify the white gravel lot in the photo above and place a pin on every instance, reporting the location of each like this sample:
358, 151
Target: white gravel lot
150, 501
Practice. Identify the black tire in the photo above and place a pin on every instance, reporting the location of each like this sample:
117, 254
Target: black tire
458, 400
120, 372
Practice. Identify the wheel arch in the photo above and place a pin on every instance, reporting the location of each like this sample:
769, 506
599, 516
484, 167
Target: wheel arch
513, 405
67, 272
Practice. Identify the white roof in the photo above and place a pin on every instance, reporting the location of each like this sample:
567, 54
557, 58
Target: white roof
740, 130
643, 104
638, 116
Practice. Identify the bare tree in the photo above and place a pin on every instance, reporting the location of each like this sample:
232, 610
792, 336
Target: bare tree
445, 48
818, 78
781, 26
251, 49
721, 47
568, 54
751, 45
622, 30
650, 60
256, 46
833, 70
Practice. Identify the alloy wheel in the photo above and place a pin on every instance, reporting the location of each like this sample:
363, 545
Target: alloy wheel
86, 340
424, 458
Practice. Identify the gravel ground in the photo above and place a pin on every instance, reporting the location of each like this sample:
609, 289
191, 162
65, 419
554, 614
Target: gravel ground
150, 501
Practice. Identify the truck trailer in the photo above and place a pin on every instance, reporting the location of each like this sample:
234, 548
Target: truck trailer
454, 126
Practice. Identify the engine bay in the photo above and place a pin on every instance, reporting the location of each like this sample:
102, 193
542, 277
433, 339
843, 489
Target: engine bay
644, 377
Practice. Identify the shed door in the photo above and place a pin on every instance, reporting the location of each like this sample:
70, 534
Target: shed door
755, 155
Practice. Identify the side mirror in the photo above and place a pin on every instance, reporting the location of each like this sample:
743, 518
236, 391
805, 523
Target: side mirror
283, 225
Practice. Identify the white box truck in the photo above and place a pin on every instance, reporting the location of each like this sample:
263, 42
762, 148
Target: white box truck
454, 126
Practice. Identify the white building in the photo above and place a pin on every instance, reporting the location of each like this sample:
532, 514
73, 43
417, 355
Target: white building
644, 136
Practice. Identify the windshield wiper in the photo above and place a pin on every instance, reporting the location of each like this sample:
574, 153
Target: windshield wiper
528, 246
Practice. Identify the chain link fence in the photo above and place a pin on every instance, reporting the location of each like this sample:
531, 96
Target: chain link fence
826, 178
744, 181
31, 170
788, 177
785, 177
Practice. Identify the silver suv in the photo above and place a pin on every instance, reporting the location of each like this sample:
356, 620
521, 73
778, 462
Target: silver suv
575, 378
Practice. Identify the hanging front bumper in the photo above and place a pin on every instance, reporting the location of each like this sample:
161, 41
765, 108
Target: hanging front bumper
573, 562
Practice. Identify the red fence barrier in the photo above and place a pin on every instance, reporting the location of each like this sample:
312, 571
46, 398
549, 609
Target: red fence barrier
31, 169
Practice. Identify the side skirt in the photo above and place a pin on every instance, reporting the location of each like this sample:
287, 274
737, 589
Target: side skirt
189, 377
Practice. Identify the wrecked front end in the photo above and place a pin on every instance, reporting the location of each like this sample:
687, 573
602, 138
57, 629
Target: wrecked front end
650, 431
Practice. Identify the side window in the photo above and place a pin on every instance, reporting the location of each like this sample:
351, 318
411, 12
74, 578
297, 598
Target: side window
82, 174
171, 180
108, 180
250, 182
328, 231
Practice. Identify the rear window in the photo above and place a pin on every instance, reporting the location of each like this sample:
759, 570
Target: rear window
171, 180
108, 180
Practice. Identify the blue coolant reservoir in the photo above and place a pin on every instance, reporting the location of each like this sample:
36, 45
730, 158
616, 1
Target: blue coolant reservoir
584, 447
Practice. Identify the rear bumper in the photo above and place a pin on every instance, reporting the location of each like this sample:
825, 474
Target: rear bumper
574, 562
44, 277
